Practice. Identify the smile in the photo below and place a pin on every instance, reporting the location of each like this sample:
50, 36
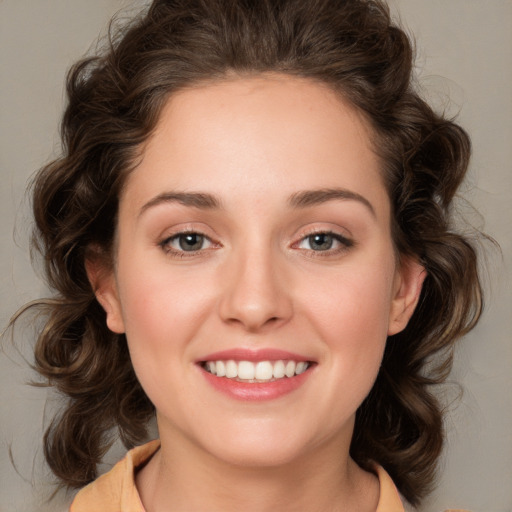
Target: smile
256, 375
256, 372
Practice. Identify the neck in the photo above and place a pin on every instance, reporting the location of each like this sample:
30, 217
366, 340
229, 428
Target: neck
183, 475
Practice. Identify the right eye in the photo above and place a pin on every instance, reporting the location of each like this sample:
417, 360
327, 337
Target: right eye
186, 242
319, 242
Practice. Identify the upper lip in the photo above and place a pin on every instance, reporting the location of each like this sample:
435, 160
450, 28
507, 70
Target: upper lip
254, 355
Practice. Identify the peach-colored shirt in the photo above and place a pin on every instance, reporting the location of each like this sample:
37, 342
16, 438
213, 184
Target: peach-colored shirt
115, 491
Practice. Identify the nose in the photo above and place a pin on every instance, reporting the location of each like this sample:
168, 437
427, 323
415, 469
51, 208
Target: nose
255, 294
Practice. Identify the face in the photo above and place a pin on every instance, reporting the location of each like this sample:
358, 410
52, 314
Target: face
254, 241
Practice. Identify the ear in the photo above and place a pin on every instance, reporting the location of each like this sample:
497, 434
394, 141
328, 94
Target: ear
102, 278
408, 283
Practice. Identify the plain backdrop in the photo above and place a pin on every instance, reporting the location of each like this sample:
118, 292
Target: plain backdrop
464, 66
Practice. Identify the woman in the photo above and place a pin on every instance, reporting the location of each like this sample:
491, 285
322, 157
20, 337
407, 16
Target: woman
256, 204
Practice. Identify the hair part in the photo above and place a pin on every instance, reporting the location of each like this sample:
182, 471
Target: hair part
114, 102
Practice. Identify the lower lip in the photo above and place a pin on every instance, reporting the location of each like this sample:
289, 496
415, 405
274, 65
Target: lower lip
256, 391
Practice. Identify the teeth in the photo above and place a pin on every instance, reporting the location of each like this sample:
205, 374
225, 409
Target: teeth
300, 368
262, 371
231, 370
279, 370
246, 370
220, 369
290, 369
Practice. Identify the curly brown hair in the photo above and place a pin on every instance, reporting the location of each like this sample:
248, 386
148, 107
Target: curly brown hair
114, 102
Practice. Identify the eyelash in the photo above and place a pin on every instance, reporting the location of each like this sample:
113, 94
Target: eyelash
165, 244
344, 244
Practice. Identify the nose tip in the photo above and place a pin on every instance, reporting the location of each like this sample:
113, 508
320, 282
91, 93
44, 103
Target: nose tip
254, 296
252, 318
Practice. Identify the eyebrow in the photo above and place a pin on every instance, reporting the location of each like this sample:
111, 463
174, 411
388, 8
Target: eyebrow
195, 199
315, 197
301, 199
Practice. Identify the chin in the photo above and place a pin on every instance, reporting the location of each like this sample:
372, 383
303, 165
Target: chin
258, 446
258, 456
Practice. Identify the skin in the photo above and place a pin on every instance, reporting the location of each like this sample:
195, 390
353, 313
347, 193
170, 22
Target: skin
253, 144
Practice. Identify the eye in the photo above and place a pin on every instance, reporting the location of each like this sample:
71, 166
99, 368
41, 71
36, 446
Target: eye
186, 242
322, 242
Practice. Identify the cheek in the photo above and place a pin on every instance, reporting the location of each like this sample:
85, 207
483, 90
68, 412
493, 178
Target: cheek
161, 310
351, 313
356, 300
162, 314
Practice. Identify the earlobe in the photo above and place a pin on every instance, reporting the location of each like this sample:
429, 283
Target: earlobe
409, 282
102, 279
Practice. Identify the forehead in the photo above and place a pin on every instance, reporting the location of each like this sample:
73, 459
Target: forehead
265, 134
260, 106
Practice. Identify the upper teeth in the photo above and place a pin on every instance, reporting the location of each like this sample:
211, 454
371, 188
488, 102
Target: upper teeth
260, 371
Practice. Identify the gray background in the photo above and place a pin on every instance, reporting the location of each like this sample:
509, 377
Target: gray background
464, 53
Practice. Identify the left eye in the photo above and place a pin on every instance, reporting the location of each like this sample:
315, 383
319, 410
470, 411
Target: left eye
322, 242
188, 242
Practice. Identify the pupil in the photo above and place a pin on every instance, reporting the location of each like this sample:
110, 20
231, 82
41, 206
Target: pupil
321, 242
191, 242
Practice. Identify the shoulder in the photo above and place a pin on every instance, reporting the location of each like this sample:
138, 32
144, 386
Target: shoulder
116, 489
391, 500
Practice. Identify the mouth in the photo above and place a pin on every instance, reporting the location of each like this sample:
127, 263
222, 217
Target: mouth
256, 375
256, 372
